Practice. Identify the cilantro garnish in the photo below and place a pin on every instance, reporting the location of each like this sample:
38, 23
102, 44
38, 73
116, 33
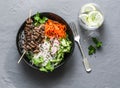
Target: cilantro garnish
97, 42
38, 20
91, 49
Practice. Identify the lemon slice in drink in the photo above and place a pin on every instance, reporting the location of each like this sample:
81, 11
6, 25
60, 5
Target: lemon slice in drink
95, 18
88, 8
84, 18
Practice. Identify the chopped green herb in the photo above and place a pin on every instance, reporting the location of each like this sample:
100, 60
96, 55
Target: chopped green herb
97, 42
38, 20
37, 17
91, 49
45, 18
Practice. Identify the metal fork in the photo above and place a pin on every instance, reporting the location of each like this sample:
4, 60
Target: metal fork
77, 40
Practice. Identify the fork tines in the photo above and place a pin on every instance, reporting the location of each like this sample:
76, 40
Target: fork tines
74, 29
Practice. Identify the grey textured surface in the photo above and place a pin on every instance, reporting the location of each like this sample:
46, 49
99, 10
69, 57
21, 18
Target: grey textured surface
105, 63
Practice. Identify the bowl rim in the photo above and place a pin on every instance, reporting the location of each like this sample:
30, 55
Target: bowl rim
33, 66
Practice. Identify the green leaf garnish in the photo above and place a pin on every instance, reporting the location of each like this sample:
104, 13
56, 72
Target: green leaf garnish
37, 17
38, 20
97, 42
45, 18
91, 49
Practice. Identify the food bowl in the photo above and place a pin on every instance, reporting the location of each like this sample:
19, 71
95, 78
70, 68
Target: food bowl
20, 39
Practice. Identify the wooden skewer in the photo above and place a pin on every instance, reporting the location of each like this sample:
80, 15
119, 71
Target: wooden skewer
25, 51
30, 13
21, 57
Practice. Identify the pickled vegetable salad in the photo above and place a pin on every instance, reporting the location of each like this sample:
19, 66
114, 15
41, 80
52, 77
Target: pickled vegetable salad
53, 47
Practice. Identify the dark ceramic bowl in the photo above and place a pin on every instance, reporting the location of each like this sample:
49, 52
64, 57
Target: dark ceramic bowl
20, 37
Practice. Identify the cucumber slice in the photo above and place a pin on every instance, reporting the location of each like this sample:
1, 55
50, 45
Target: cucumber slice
95, 18
84, 18
88, 8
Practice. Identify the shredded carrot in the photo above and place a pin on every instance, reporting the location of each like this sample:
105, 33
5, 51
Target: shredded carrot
55, 29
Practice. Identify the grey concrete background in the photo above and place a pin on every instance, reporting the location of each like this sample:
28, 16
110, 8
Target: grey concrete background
105, 63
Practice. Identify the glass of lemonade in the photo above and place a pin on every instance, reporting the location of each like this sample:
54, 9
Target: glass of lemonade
90, 16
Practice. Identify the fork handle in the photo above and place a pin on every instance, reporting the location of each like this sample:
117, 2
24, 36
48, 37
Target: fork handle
87, 65
85, 60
